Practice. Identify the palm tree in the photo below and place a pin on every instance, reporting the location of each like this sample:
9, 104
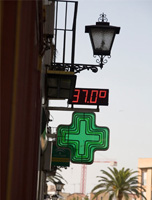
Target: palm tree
56, 177
118, 184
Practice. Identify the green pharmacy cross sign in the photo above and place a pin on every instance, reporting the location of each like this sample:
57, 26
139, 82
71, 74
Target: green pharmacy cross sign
83, 137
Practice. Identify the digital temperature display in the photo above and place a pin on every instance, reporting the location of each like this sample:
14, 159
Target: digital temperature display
89, 96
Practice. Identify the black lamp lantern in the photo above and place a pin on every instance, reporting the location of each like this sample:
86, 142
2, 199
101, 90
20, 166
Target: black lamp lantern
54, 197
102, 37
46, 196
59, 186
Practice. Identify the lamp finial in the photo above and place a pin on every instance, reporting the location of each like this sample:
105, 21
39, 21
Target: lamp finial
102, 18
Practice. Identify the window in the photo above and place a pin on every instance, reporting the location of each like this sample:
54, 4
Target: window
144, 177
144, 193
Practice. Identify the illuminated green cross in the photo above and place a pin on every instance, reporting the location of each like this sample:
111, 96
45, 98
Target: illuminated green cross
83, 137
80, 138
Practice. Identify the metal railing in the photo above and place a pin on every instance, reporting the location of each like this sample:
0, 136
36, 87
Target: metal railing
65, 29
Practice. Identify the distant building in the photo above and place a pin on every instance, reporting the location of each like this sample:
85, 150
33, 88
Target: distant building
100, 197
64, 195
145, 176
76, 196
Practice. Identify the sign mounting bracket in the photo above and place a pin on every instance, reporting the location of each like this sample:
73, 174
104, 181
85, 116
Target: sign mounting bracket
74, 109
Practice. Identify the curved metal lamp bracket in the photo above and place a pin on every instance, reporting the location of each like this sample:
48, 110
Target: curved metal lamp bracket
101, 60
76, 68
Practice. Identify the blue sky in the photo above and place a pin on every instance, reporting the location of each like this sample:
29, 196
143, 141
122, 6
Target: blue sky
127, 75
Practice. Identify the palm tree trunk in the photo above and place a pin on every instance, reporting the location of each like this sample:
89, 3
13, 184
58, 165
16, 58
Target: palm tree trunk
120, 197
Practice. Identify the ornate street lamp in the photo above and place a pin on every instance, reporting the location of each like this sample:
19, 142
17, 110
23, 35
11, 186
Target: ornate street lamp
54, 197
46, 196
102, 36
59, 186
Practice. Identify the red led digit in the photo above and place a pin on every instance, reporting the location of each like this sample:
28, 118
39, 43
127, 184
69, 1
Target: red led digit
102, 94
86, 97
76, 96
96, 92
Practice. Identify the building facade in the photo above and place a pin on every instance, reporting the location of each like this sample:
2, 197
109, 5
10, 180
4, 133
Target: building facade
145, 176
20, 44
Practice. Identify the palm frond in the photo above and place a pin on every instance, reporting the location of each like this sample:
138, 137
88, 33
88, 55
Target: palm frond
111, 196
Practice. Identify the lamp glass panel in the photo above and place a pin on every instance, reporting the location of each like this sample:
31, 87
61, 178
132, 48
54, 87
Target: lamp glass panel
54, 197
58, 187
102, 38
